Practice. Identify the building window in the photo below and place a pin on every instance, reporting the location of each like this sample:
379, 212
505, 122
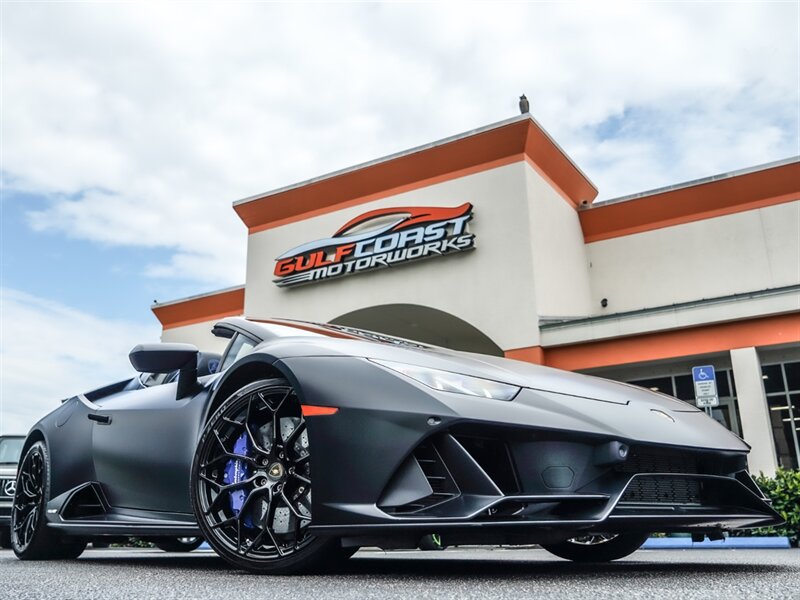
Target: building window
682, 387
782, 385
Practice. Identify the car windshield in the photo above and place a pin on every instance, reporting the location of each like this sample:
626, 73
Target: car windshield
10, 449
287, 328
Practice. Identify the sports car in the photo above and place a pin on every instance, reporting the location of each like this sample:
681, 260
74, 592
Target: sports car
304, 442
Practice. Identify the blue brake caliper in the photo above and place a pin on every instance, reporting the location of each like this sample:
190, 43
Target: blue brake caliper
236, 471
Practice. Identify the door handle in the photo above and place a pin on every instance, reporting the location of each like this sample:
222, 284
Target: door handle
102, 419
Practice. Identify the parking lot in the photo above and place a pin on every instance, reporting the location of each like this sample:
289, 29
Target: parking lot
455, 573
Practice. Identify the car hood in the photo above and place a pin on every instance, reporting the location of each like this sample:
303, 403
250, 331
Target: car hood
522, 374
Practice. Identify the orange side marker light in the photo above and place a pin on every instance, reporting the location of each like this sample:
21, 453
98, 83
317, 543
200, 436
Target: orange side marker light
316, 411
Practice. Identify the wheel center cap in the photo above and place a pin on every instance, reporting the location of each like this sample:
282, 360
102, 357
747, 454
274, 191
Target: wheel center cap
276, 471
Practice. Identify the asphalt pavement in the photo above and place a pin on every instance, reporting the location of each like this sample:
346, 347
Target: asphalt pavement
455, 573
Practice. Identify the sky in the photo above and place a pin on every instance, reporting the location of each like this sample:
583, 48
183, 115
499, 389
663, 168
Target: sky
127, 129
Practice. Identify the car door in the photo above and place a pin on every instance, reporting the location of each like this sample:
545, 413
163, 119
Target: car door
143, 442
144, 439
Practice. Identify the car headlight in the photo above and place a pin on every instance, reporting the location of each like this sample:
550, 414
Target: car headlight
446, 381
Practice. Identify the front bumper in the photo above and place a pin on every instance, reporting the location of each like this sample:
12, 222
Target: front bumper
410, 459
469, 482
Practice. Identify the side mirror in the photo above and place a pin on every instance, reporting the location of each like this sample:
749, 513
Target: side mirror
166, 358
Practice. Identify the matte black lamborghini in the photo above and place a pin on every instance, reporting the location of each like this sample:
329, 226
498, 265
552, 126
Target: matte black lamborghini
303, 442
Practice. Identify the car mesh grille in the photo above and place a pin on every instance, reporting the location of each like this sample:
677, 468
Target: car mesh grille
653, 460
6, 488
654, 489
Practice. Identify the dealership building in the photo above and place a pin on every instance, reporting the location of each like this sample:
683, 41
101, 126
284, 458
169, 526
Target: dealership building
489, 242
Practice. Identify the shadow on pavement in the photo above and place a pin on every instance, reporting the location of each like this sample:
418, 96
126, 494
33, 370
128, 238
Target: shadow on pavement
455, 567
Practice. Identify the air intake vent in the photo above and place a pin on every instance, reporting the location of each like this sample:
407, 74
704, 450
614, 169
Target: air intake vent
654, 489
441, 483
85, 502
653, 460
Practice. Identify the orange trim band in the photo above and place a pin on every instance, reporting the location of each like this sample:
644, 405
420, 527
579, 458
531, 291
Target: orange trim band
229, 303
386, 193
533, 354
694, 203
471, 154
317, 411
766, 331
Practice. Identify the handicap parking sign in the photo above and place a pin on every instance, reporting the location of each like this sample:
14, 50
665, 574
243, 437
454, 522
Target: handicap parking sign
705, 386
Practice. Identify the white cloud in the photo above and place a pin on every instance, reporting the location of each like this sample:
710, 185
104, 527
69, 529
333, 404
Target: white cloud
49, 351
143, 121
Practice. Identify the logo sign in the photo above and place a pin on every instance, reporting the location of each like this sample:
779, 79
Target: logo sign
377, 239
705, 386
9, 487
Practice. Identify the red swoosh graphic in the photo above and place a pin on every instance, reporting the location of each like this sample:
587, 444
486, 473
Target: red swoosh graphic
417, 215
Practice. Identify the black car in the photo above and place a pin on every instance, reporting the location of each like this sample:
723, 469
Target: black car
399, 442
10, 449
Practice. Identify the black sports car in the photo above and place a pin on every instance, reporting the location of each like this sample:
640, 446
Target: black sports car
400, 442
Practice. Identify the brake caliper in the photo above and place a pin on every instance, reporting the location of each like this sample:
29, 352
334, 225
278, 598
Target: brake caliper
237, 471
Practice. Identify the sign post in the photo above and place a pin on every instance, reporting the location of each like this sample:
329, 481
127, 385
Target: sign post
705, 387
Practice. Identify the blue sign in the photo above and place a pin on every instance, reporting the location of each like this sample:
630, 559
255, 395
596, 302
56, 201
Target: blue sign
705, 386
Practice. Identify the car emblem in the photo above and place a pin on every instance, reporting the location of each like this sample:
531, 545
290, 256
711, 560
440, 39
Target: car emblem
663, 415
275, 471
10, 487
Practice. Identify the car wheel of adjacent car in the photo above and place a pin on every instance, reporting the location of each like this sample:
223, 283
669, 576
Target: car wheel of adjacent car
30, 537
598, 547
5, 537
181, 544
251, 483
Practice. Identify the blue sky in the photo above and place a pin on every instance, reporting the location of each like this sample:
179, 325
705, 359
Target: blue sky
128, 129
103, 279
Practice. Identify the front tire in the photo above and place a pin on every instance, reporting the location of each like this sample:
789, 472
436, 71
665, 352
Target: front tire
30, 537
598, 547
251, 483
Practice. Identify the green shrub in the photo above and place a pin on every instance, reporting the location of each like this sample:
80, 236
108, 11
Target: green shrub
784, 490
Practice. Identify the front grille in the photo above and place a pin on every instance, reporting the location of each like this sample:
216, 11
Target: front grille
662, 490
7, 488
655, 460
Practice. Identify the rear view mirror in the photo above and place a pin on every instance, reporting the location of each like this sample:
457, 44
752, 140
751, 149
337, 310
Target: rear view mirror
163, 358
166, 358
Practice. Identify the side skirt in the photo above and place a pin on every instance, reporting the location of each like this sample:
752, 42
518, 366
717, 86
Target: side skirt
85, 512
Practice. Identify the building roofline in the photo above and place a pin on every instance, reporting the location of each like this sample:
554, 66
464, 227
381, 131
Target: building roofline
409, 151
695, 182
516, 139
212, 306
185, 299
756, 187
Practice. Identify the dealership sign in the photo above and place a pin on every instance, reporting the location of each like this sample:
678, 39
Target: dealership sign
377, 239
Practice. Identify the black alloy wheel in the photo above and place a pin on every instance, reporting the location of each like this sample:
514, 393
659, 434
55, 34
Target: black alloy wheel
30, 537
598, 547
251, 483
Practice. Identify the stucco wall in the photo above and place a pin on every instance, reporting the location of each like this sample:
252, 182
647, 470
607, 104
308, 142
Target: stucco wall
491, 287
742, 252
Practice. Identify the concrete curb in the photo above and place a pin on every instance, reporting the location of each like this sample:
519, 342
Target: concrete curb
685, 543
